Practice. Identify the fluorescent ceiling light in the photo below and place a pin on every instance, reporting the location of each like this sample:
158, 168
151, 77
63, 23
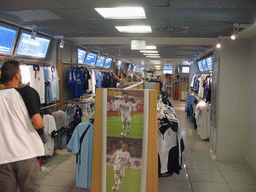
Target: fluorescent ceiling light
155, 61
150, 47
134, 29
153, 56
122, 13
149, 51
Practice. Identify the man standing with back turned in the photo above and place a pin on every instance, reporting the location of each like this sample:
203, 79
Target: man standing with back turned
20, 123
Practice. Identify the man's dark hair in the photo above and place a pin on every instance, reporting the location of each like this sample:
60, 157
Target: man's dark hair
8, 70
124, 75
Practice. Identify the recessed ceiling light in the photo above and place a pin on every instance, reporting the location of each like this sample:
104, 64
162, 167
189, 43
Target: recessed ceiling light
155, 61
148, 51
122, 12
134, 29
150, 47
152, 54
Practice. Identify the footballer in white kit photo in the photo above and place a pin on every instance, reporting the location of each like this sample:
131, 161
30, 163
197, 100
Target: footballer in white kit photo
120, 160
125, 110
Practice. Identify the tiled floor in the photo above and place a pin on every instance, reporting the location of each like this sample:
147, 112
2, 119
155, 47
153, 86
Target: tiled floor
200, 172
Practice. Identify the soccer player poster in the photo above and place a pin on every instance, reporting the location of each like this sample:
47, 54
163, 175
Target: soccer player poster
124, 135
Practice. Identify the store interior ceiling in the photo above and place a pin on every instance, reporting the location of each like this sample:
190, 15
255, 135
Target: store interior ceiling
181, 30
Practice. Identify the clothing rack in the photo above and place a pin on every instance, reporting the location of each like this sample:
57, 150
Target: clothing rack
50, 106
78, 65
27, 61
101, 69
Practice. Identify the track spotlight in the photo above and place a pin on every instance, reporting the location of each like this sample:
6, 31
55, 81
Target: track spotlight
218, 45
62, 42
33, 33
234, 34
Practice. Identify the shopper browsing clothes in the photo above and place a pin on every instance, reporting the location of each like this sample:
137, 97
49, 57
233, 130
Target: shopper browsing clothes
121, 159
20, 142
122, 80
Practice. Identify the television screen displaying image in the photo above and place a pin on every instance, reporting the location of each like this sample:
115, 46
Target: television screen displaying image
100, 61
200, 66
90, 59
129, 68
8, 36
185, 69
209, 63
204, 65
81, 56
28, 47
108, 62
167, 71
135, 69
119, 64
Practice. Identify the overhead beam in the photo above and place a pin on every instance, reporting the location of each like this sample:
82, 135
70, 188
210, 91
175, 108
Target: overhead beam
149, 40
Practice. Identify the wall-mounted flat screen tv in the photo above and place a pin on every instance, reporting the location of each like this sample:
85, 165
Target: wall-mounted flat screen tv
167, 71
200, 66
108, 62
204, 65
100, 61
129, 68
209, 63
90, 58
36, 48
81, 56
185, 69
8, 37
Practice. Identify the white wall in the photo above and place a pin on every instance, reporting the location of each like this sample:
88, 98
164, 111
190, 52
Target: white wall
231, 99
249, 152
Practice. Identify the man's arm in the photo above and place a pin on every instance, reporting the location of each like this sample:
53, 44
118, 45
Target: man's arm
37, 121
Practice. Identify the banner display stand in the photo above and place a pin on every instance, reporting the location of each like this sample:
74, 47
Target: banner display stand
149, 170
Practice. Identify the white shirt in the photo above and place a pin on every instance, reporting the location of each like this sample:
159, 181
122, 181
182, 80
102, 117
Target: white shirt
49, 126
37, 81
121, 157
18, 139
125, 108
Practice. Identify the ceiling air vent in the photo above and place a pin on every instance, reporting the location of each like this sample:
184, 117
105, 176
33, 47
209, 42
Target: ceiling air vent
173, 29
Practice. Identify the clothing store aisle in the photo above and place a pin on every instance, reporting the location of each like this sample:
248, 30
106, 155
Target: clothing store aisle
200, 173
59, 173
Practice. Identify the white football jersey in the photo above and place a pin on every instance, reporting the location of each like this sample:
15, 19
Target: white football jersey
125, 108
121, 157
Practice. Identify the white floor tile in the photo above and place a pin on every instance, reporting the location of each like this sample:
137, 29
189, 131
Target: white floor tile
197, 155
77, 189
210, 187
174, 186
68, 166
183, 176
242, 188
206, 175
49, 188
231, 166
239, 177
60, 179
201, 164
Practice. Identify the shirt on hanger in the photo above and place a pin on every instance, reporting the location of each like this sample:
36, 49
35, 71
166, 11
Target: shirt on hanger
82, 147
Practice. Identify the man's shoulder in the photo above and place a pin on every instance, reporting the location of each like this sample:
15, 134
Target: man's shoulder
25, 87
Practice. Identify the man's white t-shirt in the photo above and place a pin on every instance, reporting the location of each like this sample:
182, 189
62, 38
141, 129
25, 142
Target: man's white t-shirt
18, 139
121, 157
125, 108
